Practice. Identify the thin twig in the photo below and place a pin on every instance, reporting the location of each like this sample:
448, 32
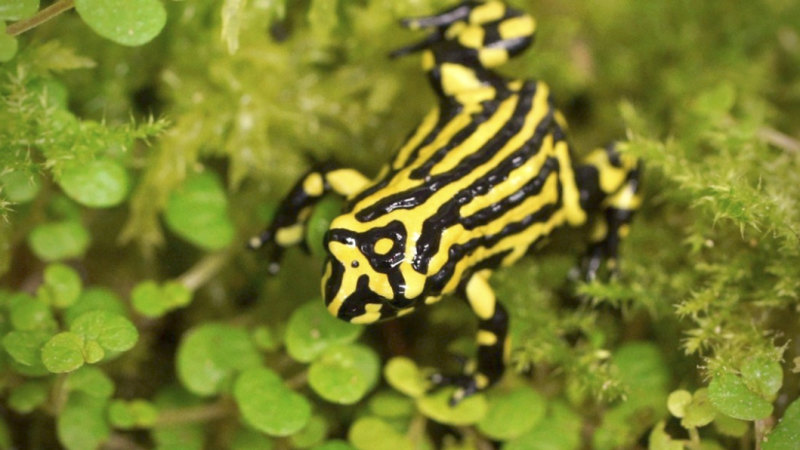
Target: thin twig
41, 17
204, 270
203, 413
778, 139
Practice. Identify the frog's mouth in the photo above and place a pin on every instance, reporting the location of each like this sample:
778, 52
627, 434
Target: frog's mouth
361, 306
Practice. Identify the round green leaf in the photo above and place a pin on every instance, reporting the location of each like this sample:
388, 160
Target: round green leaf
28, 396
247, 438
198, 212
63, 352
91, 381
313, 433
112, 331
678, 401
700, 412
176, 294
132, 414
94, 299
762, 376
62, 285
82, 423
120, 415
17, 9
126, 22
268, 405
372, 433
98, 184
391, 405
344, 373
643, 370
265, 339
729, 426
28, 313
503, 420
8, 44
729, 394
93, 352
312, 329
786, 435
209, 355
319, 221
55, 241
334, 445
403, 374
25, 346
19, 186
467, 412
147, 299
559, 430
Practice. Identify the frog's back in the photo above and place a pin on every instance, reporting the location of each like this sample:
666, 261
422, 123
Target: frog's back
474, 185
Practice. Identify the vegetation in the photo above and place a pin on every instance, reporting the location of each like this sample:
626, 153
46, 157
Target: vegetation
142, 142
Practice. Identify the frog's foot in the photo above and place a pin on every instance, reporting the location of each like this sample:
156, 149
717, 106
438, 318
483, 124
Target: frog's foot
274, 251
465, 384
599, 263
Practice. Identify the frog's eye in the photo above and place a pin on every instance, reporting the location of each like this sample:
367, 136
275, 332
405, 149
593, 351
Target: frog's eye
383, 245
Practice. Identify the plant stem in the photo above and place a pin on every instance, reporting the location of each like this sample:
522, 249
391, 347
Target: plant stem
203, 271
203, 413
778, 139
41, 17
694, 437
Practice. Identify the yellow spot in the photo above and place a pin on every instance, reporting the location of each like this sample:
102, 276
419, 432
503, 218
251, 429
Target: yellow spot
457, 78
481, 380
493, 57
314, 185
599, 231
515, 85
624, 230
517, 27
405, 311
507, 349
289, 235
431, 300
346, 181
455, 29
611, 178
428, 60
487, 12
383, 246
471, 37
625, 198
480, 296
372, 314
486, 338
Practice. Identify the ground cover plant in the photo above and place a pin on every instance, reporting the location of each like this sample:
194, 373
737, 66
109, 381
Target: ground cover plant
143, 141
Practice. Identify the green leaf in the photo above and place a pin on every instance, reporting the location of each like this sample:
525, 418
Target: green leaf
8, 45
313, 433
18, 186
198, 212
467, 412
334, 445
786, 435
82, 423
97, 184
126, 22
128, 414
503, 420
264, 338
268, 405
729, 394
28, 396
700, 412
63, 352
94, 299
17, 9
312, 329
372, 433
762, 376
559, 430
211, 354
92, 381
28, 313
62, 286
152, 300
319, 222
660, 440
678, 401
112, 331
729, 426
248, 438
344, 373
25, 347
391, 405
54, 241
403, 374
643, 370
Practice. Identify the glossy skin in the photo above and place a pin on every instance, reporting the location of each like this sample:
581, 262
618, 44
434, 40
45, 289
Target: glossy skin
485, 176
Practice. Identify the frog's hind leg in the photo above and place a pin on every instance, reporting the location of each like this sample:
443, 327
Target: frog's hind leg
288, 227
467, 41
609, 184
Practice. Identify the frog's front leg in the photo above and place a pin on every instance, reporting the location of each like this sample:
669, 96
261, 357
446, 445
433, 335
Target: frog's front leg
492, 339
609, 184
288, 226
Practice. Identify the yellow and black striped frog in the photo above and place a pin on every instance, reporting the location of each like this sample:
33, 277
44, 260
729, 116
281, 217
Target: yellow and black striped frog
486, 175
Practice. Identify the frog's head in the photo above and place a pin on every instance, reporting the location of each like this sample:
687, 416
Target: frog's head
362, 282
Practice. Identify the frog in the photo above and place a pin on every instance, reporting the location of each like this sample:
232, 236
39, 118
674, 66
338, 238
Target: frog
485, 177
